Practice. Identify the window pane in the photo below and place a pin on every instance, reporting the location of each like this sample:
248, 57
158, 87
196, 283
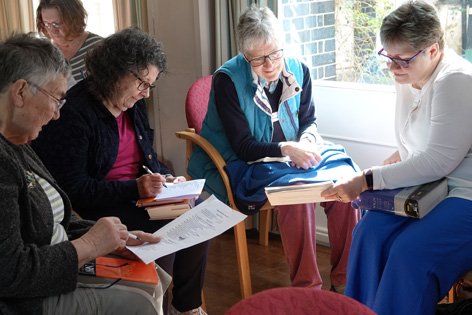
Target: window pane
339, 39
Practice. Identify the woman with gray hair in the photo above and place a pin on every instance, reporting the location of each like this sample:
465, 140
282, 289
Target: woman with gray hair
400, 265
97, 150
42, 244
261, 106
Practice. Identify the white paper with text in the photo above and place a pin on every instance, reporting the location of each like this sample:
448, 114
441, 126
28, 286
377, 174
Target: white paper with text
188, 189
205, 221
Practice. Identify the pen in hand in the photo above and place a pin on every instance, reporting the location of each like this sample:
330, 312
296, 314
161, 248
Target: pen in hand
151, 173
133, 236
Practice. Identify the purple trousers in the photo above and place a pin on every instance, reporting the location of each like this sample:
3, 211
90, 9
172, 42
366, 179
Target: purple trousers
297, 224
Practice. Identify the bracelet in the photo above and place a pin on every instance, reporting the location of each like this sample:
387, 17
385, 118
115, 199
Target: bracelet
369, 178
168, 175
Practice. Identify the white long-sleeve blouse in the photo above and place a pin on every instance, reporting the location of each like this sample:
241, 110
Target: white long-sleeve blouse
433, 128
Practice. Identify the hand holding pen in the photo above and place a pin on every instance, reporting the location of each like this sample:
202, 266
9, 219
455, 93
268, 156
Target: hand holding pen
150, 185
151, 173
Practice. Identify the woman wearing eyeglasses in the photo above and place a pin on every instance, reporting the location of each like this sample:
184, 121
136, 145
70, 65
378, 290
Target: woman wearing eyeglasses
400, 265
64, 22
97, 150
261, 106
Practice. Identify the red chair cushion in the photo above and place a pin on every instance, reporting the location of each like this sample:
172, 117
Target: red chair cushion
196, 103
295, 300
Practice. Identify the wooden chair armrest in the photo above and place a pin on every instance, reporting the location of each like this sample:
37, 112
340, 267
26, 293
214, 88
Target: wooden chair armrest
189, 135
205, 145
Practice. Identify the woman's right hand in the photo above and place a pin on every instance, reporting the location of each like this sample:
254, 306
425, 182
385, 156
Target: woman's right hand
302, 154
107, 235
150, 185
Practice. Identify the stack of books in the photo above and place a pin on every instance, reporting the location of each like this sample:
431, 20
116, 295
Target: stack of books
173, 201
165, 209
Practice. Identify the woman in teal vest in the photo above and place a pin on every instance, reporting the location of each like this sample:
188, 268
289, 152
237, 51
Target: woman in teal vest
260, 106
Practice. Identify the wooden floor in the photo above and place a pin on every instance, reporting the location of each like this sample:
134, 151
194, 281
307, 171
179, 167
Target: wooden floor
269, 269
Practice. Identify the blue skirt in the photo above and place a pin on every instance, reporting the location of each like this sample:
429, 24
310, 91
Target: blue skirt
400, 265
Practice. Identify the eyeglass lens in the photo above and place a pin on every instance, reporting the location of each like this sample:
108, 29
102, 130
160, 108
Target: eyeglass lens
49, 25
272, 56
59, 102
399, 62
143, 85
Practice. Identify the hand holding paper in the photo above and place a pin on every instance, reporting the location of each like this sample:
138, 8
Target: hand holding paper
205, 221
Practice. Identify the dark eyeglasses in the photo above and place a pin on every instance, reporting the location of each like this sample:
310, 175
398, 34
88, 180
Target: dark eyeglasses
259, 61
59, 102
399, 62
54, 25
143, 85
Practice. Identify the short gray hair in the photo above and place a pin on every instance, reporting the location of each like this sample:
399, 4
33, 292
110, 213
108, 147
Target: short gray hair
258, 26
38, 61
414, 23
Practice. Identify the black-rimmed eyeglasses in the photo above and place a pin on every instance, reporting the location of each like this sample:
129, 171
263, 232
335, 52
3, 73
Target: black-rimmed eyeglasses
59, 102
259, 61
143, 85
404, 63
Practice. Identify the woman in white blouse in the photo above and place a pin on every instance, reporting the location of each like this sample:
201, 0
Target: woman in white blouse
400, 265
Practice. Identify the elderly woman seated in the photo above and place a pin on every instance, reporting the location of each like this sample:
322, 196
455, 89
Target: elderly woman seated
42, 244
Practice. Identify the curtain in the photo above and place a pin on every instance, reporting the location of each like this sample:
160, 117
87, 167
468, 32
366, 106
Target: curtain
16, 16
130, 13
227, 14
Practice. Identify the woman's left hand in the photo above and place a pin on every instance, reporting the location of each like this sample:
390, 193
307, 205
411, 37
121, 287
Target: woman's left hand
144, 237
346, 189
175, 180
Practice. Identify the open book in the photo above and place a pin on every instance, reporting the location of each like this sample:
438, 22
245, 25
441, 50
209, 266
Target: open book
174, 193
297, 194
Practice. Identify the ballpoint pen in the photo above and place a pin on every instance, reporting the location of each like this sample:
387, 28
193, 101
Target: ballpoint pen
133, 236
151, 173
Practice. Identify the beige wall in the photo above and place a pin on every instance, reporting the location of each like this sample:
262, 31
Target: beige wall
185, 29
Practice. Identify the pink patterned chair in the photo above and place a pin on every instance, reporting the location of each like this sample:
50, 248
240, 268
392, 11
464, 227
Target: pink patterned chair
300, 301
196, 103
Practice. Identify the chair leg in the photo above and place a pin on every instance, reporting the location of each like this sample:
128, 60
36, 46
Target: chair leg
264, 226
243, 259
452, 295
203, 303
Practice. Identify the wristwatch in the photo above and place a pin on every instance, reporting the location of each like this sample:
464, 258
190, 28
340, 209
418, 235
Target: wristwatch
369, 178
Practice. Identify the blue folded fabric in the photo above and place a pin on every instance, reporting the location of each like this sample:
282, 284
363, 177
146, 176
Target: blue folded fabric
248, 181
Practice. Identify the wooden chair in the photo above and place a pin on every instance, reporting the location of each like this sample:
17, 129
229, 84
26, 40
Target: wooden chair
452, 296
195, 109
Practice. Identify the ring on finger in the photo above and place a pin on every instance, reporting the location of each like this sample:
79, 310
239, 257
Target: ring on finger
339, 197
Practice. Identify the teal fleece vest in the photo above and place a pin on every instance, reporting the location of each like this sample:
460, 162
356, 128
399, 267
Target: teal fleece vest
260, 123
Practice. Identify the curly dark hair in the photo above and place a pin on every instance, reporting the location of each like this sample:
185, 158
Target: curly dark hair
129, 50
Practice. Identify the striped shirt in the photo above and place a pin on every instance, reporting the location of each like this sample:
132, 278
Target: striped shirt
78, 61
59, 234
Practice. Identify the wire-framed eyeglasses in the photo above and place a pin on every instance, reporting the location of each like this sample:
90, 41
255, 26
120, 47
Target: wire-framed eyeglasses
259, 61
404, 63
59, 102
54, 25
143, 85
